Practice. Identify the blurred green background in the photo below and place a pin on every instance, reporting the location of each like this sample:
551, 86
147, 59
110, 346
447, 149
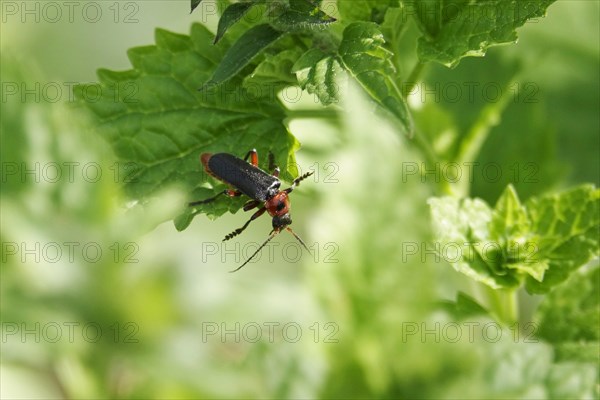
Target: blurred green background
100, 302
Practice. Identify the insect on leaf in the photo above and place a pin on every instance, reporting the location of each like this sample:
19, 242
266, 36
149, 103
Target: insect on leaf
157, 121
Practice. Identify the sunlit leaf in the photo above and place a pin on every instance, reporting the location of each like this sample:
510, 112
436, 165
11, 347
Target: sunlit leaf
318, 73
456, 29
364, 56
541, 242
568, 224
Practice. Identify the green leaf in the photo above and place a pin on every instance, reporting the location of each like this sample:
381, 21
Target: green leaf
273, 73
569, 317
541, 242
364, 56
464, 307
231, 15
305, 6
244, 50
194, 4
568, 224
432, 15
509, 229
302, 15
394, 23
305, 63
456, 29
319, 74
365, 10
155, 119
462, 229
509, 218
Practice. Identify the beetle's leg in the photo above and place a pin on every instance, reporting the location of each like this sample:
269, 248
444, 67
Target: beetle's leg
227, 192
251, 204
297, 181
272, 166
240, 230
253, 155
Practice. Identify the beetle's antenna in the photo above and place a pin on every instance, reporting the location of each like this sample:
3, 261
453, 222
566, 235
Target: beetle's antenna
273, 233
298, 237
297, 181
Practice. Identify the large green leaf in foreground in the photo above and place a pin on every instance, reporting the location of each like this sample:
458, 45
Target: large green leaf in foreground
157, 120
540, 242
454, 29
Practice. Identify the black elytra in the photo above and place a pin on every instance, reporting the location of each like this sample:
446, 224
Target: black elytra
262, 188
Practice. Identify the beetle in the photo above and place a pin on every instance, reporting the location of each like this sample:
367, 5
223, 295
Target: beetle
246, 178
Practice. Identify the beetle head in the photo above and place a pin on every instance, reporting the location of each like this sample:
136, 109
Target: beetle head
281, 221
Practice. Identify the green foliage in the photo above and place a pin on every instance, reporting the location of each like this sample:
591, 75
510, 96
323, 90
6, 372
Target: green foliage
72, 288
463, 307
244, 50
302, 15
319, 74
162, 129
231, 15
381, 315
274, 73
318, 62
459, 28
361, 53
540, 242
364, 56
365, 10
567, 225
569, 317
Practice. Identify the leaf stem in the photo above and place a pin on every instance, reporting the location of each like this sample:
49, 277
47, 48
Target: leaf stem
477, 135
411, 81
479, 131
503, 304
